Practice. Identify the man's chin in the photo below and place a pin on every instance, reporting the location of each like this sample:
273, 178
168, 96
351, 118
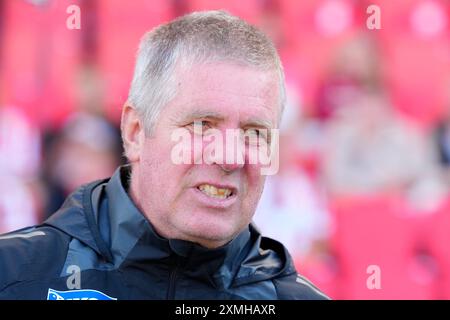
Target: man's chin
211, 236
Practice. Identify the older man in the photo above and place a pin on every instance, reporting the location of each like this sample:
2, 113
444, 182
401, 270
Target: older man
161, 228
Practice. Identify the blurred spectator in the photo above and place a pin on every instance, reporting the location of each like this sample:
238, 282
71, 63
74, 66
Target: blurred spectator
372, 150
442, 140
354, 70
87, 148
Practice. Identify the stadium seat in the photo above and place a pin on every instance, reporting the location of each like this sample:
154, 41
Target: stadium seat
373, 233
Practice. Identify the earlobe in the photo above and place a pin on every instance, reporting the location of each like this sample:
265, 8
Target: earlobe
132, 131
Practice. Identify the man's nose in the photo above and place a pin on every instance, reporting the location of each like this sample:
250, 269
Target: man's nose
230, 154
230, 167
234, 151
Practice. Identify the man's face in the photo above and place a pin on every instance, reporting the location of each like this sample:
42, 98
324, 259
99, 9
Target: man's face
180, 199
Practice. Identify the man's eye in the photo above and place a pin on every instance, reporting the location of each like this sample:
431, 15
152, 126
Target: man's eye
199, 127
255, 136
252, 132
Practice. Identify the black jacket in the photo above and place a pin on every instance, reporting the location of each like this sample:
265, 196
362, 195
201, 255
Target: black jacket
99, 246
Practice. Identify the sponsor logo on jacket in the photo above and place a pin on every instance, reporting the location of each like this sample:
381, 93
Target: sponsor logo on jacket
87, 294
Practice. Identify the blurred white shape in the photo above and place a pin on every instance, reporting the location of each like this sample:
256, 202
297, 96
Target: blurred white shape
428, 19
333, 17
16, 205
19, 164
19, 144
39, 3
292, 212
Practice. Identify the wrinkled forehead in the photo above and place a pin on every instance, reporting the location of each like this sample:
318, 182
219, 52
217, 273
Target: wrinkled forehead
223, 87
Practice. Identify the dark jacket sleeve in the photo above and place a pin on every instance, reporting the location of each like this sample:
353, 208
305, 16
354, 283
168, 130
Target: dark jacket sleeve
29, 255
297, 287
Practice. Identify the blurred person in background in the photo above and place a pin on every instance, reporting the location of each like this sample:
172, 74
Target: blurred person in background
87, 147
354, 70
371, 150
442, 142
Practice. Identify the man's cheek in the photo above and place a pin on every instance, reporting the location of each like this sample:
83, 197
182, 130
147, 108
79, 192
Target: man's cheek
254, 175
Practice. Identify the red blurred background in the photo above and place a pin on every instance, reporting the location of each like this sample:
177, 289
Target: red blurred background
365, 150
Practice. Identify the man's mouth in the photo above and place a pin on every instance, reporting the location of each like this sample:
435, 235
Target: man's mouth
215, 192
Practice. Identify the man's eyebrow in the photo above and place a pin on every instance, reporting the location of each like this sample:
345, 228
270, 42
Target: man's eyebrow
257, 122
204, 114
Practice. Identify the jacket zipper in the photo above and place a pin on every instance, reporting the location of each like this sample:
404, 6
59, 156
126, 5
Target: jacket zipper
172, 280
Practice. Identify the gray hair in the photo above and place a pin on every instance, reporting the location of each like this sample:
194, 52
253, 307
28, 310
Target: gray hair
195, 38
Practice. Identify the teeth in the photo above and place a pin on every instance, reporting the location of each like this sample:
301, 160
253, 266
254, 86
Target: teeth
215, 192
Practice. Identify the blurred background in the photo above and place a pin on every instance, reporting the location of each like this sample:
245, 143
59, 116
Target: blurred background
365, 141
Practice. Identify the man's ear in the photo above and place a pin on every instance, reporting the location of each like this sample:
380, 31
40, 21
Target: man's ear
133, 134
